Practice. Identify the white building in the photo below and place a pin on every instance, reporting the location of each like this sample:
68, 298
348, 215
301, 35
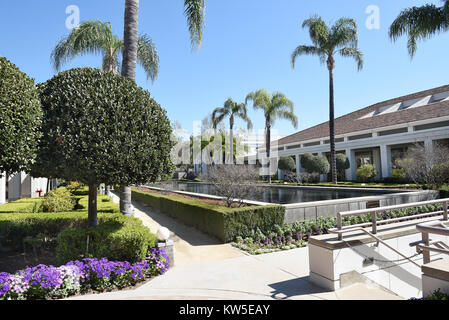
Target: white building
21, 185
378, 134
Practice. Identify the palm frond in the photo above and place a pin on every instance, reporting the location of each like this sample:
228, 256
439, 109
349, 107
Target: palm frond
308, 50
218, 115
318, 30
91, 37
354, 53
420, 23
290, 116
261, 99
194, 12
147, 57
344, 33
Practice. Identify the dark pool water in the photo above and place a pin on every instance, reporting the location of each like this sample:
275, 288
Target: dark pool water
279, 195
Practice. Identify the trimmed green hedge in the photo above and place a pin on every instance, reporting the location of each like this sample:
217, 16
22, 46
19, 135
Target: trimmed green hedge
24, 205
219, 221
14, 227
122, 240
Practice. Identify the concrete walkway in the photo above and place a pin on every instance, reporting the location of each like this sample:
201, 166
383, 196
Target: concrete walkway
206, 269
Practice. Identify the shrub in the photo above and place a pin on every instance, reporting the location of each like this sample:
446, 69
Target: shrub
366, 172
342, 162
74, 186
398, 174
20, 118
315, 164
287, 164
114, 240
440, 174
58, 200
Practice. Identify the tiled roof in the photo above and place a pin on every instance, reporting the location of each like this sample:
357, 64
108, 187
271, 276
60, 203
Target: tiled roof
358, 120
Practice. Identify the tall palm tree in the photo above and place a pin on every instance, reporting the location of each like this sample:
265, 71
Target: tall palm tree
194, 11
233, 110
340, 39
420, 23
275, 106
96, 37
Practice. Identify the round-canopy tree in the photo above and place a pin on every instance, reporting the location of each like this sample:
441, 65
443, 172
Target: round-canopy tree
20, 118
100, 127
286, 164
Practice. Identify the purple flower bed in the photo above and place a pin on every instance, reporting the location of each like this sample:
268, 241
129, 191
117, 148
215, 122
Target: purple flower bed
49, 282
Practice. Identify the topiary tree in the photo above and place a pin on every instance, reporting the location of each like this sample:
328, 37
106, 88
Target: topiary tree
306, 161
342, 164
315, 164
101, 128
287, 164
20, 118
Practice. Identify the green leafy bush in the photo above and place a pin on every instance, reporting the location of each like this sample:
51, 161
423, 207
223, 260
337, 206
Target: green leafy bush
315, 164
398, 174
74, 186
127, 240
287, 164
20, 118
366, 172
58, 200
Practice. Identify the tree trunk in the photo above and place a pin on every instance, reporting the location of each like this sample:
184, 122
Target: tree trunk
130, 40
268, 151
92, 206
332, 127
231, 136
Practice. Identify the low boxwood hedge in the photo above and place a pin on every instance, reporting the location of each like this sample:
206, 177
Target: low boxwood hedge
125, 239
221, 222
23, 205
14, 227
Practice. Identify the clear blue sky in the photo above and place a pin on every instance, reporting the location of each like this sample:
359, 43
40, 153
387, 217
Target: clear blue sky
246, 46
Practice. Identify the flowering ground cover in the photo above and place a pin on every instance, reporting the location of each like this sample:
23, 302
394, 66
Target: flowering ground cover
296, 235
80, 277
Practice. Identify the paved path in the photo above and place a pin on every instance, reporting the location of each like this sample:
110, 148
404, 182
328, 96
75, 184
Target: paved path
206, 269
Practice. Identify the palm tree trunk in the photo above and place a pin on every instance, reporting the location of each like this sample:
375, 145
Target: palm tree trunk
332, 127
130, 40
231, 136
268, 147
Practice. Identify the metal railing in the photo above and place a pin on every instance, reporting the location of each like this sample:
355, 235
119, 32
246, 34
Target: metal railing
378, 240
374, 211
425, 246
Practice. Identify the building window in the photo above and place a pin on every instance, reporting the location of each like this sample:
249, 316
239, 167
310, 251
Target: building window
312, 144
432, 126
362, 158
394, 131
362, 136
397, 153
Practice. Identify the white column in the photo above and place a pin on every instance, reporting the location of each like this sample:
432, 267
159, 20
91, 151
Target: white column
350, 173
2, 188
385, 159
298, 165
428, 144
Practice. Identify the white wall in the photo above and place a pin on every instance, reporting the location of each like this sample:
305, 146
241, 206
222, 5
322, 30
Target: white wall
2, 188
